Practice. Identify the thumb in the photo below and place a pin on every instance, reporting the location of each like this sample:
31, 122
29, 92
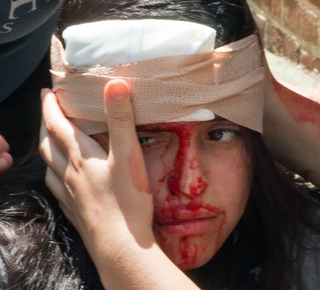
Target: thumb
120, 117
123, 141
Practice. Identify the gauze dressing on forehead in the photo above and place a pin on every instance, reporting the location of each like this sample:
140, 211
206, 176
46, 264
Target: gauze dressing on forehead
114, 42
174, 80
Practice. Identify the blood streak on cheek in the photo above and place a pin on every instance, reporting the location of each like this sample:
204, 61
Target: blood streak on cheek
301, 109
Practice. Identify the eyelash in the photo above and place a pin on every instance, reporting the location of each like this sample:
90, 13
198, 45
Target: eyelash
215, 135
212, 135
147, 143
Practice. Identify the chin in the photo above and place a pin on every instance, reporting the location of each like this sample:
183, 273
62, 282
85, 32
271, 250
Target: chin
191, 262
188, 252
185, 266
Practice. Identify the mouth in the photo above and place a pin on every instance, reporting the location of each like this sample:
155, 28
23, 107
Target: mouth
187, 227
189, 219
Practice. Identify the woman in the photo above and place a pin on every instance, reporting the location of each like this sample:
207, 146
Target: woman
213, 186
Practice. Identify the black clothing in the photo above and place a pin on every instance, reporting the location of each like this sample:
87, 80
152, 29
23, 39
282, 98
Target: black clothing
20, 113
238, 264
241, 262
25, 32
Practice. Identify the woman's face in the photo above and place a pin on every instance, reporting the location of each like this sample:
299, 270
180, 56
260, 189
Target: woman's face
200, 177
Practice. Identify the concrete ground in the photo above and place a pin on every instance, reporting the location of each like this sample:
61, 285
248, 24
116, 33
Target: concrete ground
283, 69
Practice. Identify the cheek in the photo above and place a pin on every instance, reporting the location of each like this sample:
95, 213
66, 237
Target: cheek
234, 189
157, 167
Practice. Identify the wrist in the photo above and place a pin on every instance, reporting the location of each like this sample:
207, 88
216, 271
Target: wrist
133, 265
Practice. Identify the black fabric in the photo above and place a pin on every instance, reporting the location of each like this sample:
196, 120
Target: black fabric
20, 114
25, 32
239, 263
26, 27
25, 185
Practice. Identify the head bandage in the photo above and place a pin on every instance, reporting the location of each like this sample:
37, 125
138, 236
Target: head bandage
172, 68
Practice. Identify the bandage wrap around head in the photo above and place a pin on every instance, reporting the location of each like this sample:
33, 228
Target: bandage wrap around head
173, 71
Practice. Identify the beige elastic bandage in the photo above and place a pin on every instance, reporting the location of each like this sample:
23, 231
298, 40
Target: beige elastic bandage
227, 81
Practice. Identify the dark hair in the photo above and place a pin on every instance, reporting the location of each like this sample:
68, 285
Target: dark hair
30, 216
39, 248
231, 19
282, 209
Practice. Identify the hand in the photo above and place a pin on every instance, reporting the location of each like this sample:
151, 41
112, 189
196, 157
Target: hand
107, 198
5, 158
94, 189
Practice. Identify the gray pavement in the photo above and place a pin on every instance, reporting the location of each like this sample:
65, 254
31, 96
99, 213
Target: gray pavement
283, 69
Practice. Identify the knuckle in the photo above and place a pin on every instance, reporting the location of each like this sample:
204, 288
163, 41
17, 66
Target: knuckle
77, 167
50, 127
120, 119
75, 164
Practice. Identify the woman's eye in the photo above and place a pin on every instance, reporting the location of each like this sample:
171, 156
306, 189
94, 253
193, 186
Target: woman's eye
223, 134
147, 141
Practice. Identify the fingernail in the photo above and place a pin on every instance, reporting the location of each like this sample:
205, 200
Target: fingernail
117, 90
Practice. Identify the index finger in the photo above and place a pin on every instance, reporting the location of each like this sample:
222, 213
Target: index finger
55, 123
66, 135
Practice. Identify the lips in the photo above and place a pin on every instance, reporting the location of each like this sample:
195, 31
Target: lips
187, 219
180, 216
188, 227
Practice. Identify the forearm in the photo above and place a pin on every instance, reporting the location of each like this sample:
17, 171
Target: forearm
292, 131
128, 265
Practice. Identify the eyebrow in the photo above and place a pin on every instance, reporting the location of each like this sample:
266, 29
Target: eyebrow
160, 127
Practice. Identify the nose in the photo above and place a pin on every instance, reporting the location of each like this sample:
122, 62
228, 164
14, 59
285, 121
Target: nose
187, 177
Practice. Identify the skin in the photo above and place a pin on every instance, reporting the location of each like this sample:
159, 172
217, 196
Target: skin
291, 127
105, 205
200, 177
5, 158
